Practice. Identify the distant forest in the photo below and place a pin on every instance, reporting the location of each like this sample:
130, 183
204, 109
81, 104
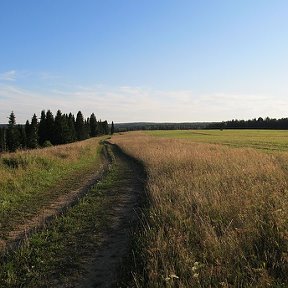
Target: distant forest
122, 127
260, 123
50, 130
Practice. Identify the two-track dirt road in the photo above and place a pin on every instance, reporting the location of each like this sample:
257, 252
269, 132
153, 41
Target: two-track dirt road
107, 264
104, 259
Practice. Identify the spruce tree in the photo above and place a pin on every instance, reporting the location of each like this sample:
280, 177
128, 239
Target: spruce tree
22, 136
71, 125
42, 133
100, 127
3, 139
112, 128
32, 137
79, 126
50, 127
87, 130
67, 133
105, 127
13, 136
27, 128
63, 134
93, 126
58, 133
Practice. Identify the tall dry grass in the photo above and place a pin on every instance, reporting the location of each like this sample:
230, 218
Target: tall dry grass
217, 216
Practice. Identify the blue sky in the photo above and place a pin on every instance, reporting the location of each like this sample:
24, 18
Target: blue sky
144, 60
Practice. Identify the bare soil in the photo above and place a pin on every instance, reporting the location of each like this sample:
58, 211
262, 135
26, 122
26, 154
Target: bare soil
108, 264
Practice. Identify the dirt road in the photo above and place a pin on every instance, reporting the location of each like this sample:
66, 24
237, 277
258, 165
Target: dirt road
105, 266
85, 239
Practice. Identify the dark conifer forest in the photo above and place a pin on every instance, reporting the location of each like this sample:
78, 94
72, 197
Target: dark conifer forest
49, 130
260, 123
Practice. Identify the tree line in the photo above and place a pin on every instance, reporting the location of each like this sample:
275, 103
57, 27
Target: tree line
123, 127
260, 123
50, 130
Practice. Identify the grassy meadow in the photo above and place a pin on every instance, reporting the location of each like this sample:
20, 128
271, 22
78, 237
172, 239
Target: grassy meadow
30, 180
217, 216
271, 140
55, 255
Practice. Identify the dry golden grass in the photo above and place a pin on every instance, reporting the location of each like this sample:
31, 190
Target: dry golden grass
217, 216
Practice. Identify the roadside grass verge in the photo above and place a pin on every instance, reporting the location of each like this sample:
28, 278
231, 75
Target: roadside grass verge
218, 216
54, 256
29, 180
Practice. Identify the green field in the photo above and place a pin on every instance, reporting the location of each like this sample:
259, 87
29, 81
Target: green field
260, 139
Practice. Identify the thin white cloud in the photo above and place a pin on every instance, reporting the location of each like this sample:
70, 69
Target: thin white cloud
131, 104
8, 76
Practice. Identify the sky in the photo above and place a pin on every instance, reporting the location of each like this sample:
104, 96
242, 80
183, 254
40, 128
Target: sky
144, 60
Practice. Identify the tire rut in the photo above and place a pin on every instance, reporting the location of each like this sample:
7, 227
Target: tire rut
58, 206
104, 268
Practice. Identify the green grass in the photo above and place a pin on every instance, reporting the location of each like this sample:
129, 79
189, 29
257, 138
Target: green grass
30, 180
273, 140
54, 255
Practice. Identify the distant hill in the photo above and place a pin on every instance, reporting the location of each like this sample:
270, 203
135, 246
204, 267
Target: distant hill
120, 127
3, 125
